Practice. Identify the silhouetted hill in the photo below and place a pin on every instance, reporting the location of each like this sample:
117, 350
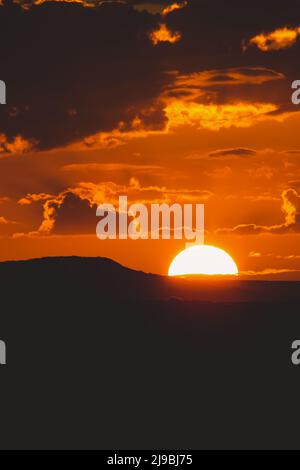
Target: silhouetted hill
100, 356
105, 277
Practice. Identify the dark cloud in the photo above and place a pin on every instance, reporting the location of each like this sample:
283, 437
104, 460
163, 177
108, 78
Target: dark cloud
235, 152
75, 216
291, 209
152, 6
72, 71
69, 212
157, 5
292, 152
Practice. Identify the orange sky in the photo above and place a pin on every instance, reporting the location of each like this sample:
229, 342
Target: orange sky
224, 136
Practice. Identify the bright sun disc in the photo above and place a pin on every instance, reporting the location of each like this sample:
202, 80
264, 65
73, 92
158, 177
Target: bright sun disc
202, 259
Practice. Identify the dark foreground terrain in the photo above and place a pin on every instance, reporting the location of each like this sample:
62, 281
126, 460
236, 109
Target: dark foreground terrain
99, 356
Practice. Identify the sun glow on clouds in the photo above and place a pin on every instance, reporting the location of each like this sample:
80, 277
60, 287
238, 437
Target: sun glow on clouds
173, 7
95, 193
179, 112
216, 116
186, 101
164, 34
281, 38
18, 145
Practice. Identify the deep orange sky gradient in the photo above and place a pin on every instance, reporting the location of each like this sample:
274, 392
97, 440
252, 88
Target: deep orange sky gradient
226, 137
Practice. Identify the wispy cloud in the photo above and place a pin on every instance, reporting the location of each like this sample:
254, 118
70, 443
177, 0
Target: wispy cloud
233, 152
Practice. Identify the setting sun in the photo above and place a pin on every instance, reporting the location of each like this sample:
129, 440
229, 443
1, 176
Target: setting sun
203, 259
